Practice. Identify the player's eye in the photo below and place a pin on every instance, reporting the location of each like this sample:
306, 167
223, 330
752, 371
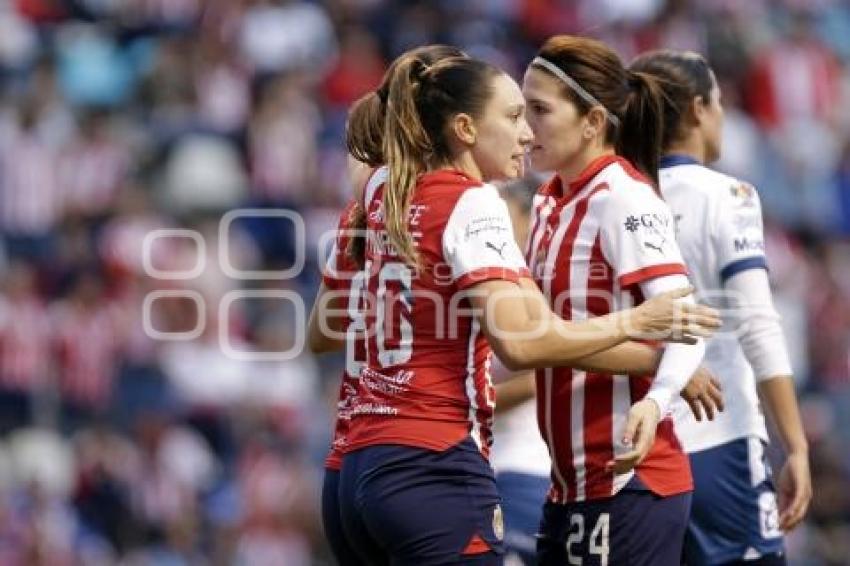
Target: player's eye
538, 108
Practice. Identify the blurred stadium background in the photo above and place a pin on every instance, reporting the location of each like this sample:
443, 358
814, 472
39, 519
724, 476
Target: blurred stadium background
119, 117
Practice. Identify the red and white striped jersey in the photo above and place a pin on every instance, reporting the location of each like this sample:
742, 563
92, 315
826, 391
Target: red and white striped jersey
24, 343
30, 199
426, 381
343, 277
89, 346
91, 173
591, 245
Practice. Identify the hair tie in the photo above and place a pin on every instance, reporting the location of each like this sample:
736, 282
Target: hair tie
577, 88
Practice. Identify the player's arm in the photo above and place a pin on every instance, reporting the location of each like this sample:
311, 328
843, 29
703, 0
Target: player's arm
739, 240
515, 392
678, 363
524, 333
763, 343
486, 264
325, 332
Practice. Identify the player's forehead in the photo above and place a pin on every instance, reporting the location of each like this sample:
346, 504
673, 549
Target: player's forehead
506, 93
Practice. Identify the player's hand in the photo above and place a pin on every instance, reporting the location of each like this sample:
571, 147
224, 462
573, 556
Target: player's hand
703, 394
665, 318
794, 490
639, 434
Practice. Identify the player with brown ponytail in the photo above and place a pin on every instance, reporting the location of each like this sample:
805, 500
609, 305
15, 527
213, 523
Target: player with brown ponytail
341, 286
445, 281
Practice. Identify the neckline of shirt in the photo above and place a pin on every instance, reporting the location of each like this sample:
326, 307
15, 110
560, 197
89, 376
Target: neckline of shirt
674, 159
586, 176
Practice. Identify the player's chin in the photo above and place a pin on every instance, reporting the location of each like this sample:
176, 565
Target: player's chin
537, 160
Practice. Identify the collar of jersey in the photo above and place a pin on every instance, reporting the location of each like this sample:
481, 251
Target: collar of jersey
446, 175
677, 159
556, 188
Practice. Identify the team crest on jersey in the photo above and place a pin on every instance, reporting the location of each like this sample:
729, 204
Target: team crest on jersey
744, 192
498, 523
377, 215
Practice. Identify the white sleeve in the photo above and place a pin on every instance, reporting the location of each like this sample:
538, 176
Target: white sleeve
761, 334
330, 274
478, 242
738, 232
639, 236
679, 361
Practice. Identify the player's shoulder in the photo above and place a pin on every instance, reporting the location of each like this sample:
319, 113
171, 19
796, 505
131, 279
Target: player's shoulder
477, 202
374, 181
713, 184
453, 195
630, 191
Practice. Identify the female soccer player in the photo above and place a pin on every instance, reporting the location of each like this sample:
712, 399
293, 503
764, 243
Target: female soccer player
443, 279
734, 516
601, 239
342, 282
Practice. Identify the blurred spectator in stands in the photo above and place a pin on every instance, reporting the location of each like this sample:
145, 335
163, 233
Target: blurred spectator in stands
25, 346
93, 167
89, 345
30, 199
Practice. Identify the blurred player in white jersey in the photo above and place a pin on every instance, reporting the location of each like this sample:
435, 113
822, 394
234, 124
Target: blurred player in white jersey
735, 516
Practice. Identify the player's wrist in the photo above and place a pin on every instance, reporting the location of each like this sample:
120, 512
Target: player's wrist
662, 396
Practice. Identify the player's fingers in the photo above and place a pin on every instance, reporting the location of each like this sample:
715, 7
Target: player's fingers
702, 315
679, 338
624, 462
792, 516
696, 409
708, 404
702, 326
630, 430
643, 439
716, 396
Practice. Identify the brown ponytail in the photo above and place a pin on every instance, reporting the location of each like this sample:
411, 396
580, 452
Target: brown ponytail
635, 99
364, 132
640, 140
406, 148
683, 76
422, 98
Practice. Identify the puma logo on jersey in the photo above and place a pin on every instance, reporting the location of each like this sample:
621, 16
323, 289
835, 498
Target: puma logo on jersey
497, 250
653, 247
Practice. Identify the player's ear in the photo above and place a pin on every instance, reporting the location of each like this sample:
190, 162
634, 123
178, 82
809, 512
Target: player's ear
463, 126
595, 122
697, 110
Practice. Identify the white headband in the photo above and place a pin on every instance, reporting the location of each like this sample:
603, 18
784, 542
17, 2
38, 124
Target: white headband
579, 90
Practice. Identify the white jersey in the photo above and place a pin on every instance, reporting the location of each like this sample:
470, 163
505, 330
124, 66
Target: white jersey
517, 445
719, 230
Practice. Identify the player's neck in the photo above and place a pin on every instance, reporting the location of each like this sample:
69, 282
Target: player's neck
691, 146
572, 170
463, 163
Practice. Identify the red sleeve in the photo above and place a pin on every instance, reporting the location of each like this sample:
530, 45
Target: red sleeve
476, 276
651, 272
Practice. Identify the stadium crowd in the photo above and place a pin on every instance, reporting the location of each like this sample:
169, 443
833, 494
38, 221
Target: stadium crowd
141, 421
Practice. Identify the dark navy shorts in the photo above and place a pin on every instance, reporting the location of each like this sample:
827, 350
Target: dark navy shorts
332, 521
734, 514
522, 497
405, 505
633, 528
